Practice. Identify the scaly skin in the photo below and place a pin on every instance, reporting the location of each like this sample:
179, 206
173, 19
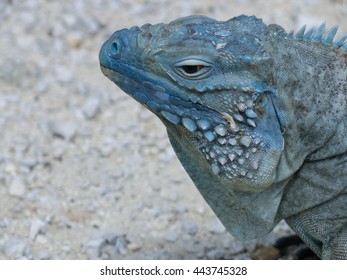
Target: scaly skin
257, 117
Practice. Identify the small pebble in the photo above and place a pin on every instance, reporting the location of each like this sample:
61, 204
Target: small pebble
16, 248
216, 254
189, 227
44, 255
171, 236
66, 130
215, 226
266, 253
63, 74
121, 245
17, 187
91, 108
37, 226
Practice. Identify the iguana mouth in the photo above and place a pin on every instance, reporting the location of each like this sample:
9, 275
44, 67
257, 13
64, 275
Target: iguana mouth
193, 116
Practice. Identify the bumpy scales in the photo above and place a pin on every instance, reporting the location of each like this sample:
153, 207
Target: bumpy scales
256, 115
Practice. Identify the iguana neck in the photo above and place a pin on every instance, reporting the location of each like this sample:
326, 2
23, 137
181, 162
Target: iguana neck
257, 212
312, 96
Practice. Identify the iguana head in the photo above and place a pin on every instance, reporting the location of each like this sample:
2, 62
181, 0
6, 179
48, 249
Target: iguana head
209, 82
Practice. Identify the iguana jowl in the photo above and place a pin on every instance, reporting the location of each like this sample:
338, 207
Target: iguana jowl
256, 115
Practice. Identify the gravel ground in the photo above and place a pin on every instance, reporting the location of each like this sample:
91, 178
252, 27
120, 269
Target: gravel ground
85, 171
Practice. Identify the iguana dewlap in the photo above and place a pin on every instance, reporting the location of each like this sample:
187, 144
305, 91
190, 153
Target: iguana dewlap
256, 115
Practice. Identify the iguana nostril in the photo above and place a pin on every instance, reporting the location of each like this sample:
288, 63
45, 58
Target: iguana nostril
115, 48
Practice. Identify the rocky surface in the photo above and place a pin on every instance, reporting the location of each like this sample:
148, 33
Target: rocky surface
85, 171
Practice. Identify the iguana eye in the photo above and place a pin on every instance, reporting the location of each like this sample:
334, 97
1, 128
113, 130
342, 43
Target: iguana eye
193, 68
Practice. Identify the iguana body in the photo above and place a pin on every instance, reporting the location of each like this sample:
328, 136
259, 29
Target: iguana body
257, 117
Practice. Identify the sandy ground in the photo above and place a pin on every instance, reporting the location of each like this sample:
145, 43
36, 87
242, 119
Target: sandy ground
85, 171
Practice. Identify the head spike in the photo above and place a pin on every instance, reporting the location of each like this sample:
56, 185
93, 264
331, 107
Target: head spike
290, 35
309, 34
340, 41
344, 46
319, 34
300, 34
329, 37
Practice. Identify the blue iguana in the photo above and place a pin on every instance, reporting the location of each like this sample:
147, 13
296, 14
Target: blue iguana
255, 114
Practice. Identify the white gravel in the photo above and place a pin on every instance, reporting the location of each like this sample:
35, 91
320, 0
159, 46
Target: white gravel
85, 171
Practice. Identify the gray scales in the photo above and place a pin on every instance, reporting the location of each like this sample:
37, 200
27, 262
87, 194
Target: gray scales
256, 115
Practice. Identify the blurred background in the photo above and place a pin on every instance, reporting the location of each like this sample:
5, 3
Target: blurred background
85, 171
